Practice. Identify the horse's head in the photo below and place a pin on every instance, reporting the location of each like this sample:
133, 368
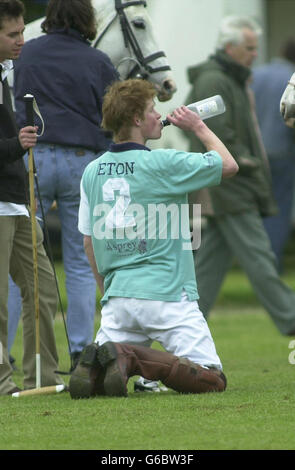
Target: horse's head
131, 45
125, 33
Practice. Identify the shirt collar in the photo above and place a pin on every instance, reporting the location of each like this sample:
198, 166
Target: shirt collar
70, 32
127, 146
238, 71
7, 66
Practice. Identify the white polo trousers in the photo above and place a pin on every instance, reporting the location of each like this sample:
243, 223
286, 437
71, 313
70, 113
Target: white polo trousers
179, 327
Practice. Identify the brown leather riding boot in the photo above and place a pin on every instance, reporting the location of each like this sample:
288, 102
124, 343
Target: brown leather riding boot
87, 378
122, 361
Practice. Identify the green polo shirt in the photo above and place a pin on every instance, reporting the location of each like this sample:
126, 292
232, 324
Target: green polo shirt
134, 204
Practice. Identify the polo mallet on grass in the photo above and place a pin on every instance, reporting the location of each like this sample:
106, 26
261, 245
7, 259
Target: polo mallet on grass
29, 99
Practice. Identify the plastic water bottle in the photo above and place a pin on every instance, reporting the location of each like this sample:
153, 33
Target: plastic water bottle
206, 109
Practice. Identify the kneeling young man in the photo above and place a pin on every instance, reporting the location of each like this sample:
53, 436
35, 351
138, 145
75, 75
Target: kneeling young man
138, 257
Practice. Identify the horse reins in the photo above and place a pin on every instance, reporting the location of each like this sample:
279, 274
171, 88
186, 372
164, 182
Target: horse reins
142, 68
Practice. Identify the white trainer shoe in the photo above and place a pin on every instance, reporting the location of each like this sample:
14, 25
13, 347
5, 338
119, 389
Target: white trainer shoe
144, 385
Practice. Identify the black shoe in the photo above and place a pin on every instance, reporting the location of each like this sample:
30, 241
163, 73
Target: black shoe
87, 378
14, 390
12, 362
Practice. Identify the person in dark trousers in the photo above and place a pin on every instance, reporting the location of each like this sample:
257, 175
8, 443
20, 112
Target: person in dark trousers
16, 251
269, 81
235, 208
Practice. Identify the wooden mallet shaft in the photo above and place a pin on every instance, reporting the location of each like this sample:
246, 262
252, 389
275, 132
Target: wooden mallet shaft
30, 122
40, 391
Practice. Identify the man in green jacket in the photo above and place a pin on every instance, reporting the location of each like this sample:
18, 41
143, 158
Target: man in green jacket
234, 209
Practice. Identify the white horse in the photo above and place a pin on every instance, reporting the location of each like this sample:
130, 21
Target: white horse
125, 33
287, 104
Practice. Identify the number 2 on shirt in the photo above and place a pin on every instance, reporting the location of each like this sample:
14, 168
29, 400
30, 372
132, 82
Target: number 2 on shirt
117, 217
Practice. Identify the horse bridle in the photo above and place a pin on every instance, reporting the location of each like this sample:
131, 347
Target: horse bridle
142, 69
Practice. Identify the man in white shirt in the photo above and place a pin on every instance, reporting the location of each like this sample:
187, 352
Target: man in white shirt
16, 253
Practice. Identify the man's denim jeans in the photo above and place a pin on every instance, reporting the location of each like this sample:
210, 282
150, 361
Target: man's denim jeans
59, 171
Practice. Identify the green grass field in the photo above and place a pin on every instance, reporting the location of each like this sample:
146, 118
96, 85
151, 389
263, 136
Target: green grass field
256, 411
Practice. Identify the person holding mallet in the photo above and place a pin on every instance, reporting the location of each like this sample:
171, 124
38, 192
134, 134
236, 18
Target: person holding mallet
16, 248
